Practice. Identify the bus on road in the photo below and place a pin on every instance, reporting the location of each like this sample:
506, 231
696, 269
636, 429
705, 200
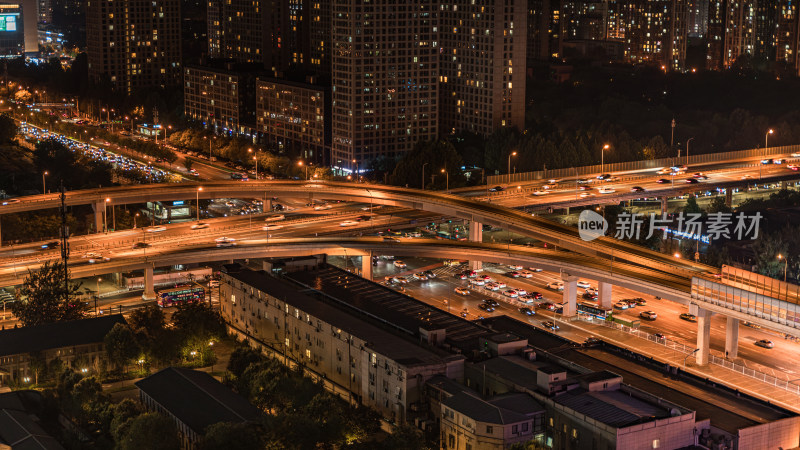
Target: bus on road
595, 310
181, 294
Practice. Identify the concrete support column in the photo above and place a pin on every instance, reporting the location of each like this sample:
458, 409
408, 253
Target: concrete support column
784, 184
703, 335
604, 294
98, 216
475, 235
570, 294
366, 266
149, 290
728, 196
267, 206
664, 204
732, 338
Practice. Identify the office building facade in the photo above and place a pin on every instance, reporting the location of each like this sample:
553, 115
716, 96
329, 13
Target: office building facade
220, 98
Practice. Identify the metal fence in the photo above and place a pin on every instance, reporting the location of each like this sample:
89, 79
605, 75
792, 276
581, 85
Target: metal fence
641, 165
713, 359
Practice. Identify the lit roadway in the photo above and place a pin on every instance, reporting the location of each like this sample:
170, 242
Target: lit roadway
780, 361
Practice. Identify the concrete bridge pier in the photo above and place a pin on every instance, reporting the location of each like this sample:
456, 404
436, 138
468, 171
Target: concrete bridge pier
784, 185
604, 294
664, 204
475, 235
732, 338
570, 294
366, 266
728, 196
99, 209
149, 290
703, 336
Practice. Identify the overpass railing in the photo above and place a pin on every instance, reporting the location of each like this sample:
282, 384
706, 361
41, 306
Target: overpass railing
749, 297
641, 165
781, 383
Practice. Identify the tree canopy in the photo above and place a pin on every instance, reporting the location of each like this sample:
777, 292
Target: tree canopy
46, 299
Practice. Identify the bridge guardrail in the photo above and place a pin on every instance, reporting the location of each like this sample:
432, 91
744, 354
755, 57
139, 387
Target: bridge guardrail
713, 359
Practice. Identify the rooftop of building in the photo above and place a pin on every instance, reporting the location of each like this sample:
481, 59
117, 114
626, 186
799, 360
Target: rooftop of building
227, 66
503, 338
19, 428
442, 383
15, 341
726, 410
614, 408
196, 398
502, 410
603, 375
380, 340
391, 307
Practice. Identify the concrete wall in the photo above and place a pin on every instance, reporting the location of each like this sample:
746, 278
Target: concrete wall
784, 433
674, 432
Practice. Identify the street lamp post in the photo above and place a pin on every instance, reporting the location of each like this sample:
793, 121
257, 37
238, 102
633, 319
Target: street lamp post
96, 296
690, 354
423, 176
447, 174
766, 144
197, 202
356, 173
687, 150
603, 159
785, 266
44, 186
300, 163
509, 165
255, 158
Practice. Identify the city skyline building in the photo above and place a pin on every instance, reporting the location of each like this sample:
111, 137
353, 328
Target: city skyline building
134, 44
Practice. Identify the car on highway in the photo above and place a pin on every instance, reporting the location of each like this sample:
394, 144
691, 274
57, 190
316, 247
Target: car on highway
50, 245
460, 275
582, 181
10, 201
485, 307
589, 296
621, 305
664, 171
765, 343
486, 278
607, 190
700, 176
400, 264
271, 227
535, 295
200, 226
402, 280
640, 301
767, 161
546, 305
322, 207
511, 293
585, 188
526, 274
156, 229
586, 194
514, 274
662, 181
751, 325
194, 172
348, 223
794, 167
139, 245
584, 284
521, 291
461, 291
688, 317
637, 189
492, 286
556, 286
550, 325
648, 315
497, 189
477, 282
420, 276
534, 269
692, 180
492, 302
527, 311
659, 336
515, 267
429, 274
592, 341
604, 176
225, 241
540, 192
274, 218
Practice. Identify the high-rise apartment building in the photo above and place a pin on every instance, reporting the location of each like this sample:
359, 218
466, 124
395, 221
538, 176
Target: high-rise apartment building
731, 32
134, 43
655, 32
385, 68
219, 96
544, 30
697, 17
786, 35
238, 30
482, 65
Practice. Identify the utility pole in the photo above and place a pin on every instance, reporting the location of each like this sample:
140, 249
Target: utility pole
64, 237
